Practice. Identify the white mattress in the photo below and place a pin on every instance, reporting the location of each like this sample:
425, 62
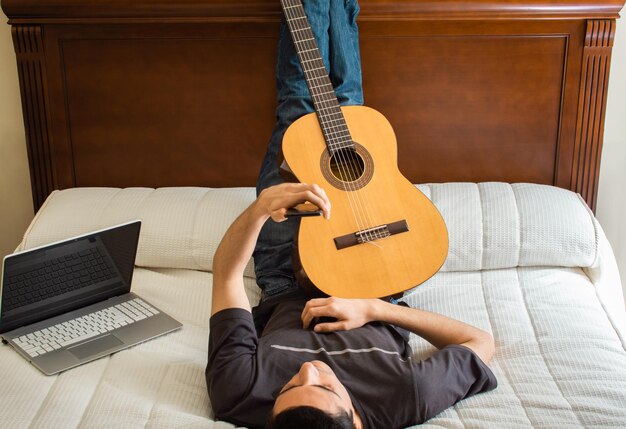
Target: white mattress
528, 263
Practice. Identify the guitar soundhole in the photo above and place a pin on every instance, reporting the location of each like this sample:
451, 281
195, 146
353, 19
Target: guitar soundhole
347, 165
348, 169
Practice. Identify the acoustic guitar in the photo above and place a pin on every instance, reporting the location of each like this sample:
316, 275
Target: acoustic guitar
384, 236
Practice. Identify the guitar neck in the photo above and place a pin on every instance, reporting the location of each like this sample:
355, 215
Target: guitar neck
325, 101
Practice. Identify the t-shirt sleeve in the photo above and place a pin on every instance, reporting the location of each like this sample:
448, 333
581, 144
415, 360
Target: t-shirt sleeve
453, 373
232, 358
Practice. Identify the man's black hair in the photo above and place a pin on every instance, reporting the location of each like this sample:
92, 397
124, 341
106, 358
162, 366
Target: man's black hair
309, 418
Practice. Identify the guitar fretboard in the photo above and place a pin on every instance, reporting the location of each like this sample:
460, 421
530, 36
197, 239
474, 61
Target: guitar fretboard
327, 106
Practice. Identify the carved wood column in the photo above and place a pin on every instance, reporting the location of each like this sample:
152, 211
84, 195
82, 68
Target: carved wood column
591, 108
29, 50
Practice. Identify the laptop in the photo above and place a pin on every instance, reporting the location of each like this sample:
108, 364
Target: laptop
69, 302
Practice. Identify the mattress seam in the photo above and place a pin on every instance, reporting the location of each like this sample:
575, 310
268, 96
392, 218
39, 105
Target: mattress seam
532, 324
519, 226
194, 222
595, 229
482, 229
455, 408
607, 313
41, 405
608, 316
503, 366
106, 206
149, 415
95, 390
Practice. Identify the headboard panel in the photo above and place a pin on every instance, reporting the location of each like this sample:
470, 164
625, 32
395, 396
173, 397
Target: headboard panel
158, 93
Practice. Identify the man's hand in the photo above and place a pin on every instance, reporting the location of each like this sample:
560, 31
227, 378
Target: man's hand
275, 201
350, 313
437, 329
237, 246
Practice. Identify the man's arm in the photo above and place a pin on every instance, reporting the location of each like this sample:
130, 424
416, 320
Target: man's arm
439, 330
238, 243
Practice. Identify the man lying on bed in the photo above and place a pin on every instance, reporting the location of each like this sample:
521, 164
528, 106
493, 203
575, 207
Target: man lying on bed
356, 371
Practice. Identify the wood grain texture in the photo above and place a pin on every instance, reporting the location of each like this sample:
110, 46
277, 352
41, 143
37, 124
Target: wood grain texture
155, 93
31, 65
382, 267
160, 10
591, 108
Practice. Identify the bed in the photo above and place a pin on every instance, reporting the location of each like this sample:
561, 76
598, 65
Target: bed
498, 108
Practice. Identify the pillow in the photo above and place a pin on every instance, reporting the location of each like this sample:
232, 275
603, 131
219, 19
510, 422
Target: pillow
181, 227
500, 225
490, 225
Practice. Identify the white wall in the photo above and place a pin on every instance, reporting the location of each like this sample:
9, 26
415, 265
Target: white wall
16, 203
611, 206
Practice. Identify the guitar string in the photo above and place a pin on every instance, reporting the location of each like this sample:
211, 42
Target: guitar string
349, 160
292, 21
335, 136
367, 231
345, 160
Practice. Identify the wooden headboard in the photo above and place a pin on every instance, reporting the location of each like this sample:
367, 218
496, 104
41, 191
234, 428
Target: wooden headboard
181, 92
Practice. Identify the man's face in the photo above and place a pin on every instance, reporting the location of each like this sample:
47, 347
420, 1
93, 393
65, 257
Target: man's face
315, 385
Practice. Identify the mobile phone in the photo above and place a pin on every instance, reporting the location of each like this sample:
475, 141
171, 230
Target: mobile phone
303, 210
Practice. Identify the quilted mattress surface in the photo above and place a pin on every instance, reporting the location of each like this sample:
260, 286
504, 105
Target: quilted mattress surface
527, 263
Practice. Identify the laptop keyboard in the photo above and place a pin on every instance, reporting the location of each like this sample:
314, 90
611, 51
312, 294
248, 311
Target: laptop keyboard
56, 276
85, 327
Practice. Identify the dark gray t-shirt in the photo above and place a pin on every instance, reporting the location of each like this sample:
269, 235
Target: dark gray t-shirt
389, 389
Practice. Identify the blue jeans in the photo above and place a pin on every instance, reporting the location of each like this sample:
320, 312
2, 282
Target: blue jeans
334, 24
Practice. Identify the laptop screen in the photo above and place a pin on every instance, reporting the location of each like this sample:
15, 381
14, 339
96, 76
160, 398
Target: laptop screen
52, 280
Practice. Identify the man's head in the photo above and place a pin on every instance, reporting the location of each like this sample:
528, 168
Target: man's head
315, 395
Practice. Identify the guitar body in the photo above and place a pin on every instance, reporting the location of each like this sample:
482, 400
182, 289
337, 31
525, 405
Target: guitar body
373, 196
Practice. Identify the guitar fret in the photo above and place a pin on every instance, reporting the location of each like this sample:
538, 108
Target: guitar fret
336, 113
317, 68
320, 77
327, 99
337, 142
326, 92
335, 146
326, 86
296, 18
340, 123
322, 86
306, 65
338, 135
333, 122
317, 96
332, 100
310, 70
327, 106
338, 129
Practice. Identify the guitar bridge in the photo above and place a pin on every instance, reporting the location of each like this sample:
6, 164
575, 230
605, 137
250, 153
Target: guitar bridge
371, 234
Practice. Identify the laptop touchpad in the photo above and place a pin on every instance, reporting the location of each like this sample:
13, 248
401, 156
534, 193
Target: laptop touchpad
94, 347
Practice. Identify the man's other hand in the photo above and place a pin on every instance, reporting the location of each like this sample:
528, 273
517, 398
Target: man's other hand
350, 313
275, 201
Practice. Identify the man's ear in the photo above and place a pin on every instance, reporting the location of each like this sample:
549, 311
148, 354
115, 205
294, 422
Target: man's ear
356, 419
